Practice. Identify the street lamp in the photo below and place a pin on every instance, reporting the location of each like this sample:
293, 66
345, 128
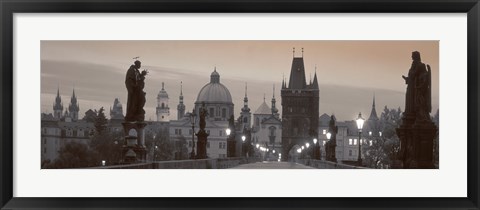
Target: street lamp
192, 119
360, 122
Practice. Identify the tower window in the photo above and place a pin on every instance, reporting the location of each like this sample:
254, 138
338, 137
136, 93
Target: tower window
224, 113
245, 119
163, 105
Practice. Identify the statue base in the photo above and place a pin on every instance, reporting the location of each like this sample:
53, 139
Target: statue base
201, 144
416, 145
134, 150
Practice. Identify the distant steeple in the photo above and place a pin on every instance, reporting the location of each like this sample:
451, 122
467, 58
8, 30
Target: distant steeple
58, 105
74, 107
180, 106
245, 115
163, 110
373, 113
274, 109
245, 101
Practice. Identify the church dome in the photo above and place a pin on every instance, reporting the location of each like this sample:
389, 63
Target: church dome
214, 91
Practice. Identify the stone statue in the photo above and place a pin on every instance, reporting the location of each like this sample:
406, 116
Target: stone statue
418, 97
422, 95
330, 146
418, 88
203, 113
417, 131
135, 82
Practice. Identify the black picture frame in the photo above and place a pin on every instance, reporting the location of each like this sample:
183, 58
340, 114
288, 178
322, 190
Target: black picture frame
10, 7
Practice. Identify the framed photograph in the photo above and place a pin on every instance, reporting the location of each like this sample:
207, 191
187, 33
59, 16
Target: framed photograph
239, 105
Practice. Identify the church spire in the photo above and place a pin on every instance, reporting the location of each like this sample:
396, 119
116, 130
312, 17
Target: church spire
245, 101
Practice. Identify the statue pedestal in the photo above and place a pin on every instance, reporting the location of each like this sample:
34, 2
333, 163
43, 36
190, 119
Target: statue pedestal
201, 144
134, 150
416, 145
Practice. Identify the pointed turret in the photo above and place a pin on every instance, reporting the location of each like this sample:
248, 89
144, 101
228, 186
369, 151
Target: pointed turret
315, 81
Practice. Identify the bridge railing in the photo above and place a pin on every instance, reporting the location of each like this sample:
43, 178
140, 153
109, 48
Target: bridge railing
218, 163
323, 164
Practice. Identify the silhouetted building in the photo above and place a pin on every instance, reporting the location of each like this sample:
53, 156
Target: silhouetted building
219, 106
116, 112
267, 128
300, 108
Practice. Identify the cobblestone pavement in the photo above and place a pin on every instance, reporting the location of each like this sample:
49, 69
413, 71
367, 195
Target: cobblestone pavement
272, 165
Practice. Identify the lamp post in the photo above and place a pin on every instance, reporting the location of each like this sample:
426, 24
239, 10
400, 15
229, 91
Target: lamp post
328, 154
360, 122
316, 149
243, 145
228, 131
155, 147
192, 119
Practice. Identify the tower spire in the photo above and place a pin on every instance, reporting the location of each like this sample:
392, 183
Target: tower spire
273, 90
245, 89
180, 106
302, 52
181, 88
373, 113
274, 109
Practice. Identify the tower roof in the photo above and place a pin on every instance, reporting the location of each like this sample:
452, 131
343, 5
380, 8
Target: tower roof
263, 109
297, 74
163, 93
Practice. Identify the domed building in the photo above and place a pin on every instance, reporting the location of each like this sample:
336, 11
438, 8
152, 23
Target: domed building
217, 99
218, 102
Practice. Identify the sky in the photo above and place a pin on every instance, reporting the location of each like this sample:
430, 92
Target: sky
350, 73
